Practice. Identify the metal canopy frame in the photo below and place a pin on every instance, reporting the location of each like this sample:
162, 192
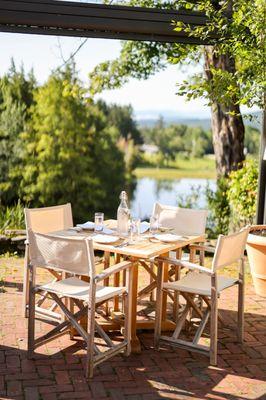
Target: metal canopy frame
64, 18
78, 19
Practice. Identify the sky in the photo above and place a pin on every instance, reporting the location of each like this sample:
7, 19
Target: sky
155, 96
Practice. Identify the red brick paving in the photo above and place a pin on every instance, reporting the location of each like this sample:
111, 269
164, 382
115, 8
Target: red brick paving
57, 371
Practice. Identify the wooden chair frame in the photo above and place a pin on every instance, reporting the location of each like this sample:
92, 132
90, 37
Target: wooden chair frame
85, 308
66, 223
211, 311
174, 272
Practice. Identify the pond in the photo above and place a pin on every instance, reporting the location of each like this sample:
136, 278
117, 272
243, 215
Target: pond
150, 190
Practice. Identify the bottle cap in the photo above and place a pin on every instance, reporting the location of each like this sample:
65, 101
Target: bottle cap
123, 195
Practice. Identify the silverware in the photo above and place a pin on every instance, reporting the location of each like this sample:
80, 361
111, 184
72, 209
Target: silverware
122, 244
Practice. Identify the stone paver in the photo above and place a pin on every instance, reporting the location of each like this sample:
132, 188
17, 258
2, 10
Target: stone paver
57, 371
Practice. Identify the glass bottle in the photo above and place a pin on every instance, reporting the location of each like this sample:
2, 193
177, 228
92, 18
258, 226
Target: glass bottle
123, 214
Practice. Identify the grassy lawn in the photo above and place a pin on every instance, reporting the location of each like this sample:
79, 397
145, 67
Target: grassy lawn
181, 168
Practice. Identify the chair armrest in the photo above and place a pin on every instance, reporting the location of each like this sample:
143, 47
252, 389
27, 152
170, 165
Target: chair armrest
202, 247
112, 270
185, 264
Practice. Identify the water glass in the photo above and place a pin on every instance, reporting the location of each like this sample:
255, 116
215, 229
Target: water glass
98, 221
154, 224
134, 229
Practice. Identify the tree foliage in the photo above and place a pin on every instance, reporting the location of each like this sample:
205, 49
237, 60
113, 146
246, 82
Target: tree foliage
69, 153
240, 36
175, 139
16, 96
232, 73
122, 119
242, 193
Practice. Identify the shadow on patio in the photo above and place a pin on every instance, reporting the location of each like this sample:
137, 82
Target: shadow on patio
57, 371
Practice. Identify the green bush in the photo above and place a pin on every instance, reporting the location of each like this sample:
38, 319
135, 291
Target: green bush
219, 209
12, 217
242, 193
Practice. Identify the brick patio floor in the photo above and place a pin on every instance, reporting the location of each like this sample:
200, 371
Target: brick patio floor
57, 371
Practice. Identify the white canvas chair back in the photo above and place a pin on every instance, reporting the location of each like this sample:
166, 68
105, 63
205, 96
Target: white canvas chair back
229, 249
73, 255
49, 219
184, 221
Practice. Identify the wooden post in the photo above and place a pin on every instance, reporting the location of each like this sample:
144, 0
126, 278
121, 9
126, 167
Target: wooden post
165, 268
106, 281
214, 320
116, 283
241, 294
128, 309
91, 330
135, 344
31, 320
159, 300
176, 293
25, 300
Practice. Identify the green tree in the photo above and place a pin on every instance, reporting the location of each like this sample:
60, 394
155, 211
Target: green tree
121, 117
252, 140
197, 142
69, 152
16, 96
232, 73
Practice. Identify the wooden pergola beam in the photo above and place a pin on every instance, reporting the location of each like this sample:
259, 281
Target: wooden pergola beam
64, 18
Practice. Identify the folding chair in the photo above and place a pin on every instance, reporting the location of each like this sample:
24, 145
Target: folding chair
75, 256
44, 220
208, 286
181, 221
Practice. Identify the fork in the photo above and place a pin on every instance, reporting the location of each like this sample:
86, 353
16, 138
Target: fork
122, 244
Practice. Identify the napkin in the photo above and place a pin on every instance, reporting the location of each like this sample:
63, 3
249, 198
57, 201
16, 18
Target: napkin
144, 226
90, 226
86, 225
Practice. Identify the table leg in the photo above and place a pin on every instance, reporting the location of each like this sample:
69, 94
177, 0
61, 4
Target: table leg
106, 281
117, 283
176, 293
165, 279
135, 343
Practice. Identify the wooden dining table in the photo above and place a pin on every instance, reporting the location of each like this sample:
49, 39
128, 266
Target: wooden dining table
145, 248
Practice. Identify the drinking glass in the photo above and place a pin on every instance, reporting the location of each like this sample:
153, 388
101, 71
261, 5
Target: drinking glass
154, 224
134, 229
98, 221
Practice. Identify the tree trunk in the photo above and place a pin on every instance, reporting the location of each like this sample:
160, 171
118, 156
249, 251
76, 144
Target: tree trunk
227, 123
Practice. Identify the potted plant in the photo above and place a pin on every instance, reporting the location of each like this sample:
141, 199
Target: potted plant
256, 249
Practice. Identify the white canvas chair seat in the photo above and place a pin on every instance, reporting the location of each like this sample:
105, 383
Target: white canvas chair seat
181, 221
78, 289
203, 284
77, 298
44, 220
199, 283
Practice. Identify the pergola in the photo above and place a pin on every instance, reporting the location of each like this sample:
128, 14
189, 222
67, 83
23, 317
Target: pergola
80, 19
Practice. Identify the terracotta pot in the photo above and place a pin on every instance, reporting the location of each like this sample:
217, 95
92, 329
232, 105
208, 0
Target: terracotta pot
256, 249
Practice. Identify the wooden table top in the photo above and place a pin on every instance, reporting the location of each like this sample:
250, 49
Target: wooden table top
145, 247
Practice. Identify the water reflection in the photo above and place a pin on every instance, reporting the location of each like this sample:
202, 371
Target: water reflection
162, 185
149, 190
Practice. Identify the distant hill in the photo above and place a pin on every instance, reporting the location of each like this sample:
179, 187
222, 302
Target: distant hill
149, 123
203, 123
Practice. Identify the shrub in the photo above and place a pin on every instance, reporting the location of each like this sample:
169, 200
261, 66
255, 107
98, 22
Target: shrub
219, 209
12, 217
242, 193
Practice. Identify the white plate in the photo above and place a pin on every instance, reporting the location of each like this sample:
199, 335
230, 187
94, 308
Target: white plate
105, 239
168, 237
